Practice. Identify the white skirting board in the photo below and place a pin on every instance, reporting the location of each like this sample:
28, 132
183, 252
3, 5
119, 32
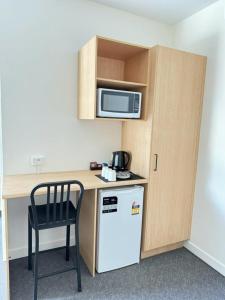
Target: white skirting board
207, 258
22, 252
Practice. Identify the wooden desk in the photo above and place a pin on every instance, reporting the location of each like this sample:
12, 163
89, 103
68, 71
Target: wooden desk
17, 186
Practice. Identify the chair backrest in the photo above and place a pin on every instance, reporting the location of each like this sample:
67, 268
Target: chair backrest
53, 190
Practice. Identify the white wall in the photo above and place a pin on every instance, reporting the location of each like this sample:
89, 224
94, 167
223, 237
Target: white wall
39, 41
204, 33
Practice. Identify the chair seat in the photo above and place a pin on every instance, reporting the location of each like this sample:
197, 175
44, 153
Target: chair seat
42, 216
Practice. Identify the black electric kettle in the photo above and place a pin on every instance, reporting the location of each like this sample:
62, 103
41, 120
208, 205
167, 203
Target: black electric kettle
120, 160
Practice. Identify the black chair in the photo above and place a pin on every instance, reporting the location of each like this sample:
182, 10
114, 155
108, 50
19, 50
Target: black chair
54, 213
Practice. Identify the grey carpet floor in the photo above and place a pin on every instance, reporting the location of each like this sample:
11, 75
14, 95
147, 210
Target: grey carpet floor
174, 275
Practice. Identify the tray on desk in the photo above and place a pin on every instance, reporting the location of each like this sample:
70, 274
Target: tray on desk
132, 177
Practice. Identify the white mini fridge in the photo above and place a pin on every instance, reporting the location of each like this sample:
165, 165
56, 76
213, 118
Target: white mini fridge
119, 227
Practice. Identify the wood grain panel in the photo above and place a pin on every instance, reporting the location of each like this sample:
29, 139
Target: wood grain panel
16, 186
88, 229
87, 80
117, 49
119, 84
110, 68
161, 250
136, 137
175, 134
136, 67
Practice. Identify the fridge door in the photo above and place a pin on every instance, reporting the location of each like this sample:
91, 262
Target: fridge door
119, 227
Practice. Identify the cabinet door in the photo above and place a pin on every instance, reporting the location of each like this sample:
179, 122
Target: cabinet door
177, 103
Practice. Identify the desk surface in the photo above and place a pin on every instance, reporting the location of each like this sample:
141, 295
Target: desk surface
15, 186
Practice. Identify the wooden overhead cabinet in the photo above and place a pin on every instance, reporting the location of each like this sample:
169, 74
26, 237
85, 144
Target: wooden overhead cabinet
111, 64
176, 92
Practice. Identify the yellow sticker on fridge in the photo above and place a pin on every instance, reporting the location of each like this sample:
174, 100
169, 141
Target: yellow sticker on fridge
135, 209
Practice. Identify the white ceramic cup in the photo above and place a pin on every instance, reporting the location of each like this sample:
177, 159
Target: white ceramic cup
111, 175
106, 173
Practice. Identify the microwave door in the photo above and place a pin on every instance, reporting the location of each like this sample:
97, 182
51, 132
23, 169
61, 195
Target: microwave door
116, 104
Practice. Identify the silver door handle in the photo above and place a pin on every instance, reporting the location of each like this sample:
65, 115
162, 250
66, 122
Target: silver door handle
156, 162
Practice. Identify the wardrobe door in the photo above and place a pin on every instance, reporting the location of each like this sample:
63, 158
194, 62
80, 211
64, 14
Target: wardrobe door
177, 105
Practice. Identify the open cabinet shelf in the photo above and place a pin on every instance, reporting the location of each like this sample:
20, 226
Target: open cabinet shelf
113, 83
105, 63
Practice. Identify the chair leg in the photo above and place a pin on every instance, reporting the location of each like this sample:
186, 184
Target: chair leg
29, 245
78, 258
67, 242
36, 263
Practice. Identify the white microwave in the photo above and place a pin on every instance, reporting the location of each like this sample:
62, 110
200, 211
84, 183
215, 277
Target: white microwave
118, 104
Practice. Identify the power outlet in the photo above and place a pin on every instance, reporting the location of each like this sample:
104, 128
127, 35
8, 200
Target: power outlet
37, 160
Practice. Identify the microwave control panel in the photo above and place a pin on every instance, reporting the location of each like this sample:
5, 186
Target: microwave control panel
136, 103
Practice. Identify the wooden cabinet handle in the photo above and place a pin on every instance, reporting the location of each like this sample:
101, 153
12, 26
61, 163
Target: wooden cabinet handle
156, 162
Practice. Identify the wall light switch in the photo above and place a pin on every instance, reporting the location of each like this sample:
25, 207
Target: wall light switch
37, 160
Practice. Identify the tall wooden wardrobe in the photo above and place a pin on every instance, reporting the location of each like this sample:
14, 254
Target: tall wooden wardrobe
165, 147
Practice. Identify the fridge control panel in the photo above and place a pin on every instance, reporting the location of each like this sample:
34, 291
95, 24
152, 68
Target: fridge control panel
109, 204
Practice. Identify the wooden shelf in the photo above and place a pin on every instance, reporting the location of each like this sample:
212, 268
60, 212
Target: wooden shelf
104, 82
